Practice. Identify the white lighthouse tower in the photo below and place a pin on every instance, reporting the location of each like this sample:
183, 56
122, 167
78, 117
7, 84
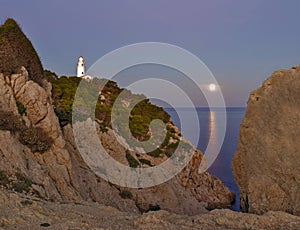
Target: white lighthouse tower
80, 67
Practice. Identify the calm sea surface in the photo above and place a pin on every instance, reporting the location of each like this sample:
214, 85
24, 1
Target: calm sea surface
209, 129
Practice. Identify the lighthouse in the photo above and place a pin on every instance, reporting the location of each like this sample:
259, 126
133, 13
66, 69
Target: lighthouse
80, 67
81, 71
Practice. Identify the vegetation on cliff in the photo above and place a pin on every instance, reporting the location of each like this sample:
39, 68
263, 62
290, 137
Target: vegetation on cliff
33, 137
16, 51
63, 93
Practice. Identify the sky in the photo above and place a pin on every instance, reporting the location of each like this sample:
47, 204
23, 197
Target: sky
242, 42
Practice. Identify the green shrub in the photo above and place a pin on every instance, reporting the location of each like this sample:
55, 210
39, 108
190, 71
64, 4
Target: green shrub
10, 122
173, 145
153, 207
35, 138
155, 153
139, 127
170, 149
21, 108
50, 76
2, 175
64, 90
20, 187
167, 139
45, 225
103, 128
126, 194
133, 163
145, 161
23, 183
26, 202
3, 179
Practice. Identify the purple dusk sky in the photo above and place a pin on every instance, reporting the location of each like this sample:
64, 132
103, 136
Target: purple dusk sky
242, 42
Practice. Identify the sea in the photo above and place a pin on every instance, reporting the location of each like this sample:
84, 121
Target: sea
211, 130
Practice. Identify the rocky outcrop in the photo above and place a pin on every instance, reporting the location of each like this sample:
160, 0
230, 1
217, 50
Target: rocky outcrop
266, 163
60, 174
49, 170
54, 174
18, 211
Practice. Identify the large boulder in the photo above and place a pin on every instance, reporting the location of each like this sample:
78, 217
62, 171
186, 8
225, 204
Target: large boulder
266, 163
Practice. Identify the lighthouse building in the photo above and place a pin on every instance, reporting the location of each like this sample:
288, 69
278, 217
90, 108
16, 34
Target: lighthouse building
81, 69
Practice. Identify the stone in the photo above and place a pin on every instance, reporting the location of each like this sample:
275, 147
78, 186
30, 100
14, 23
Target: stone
266, 163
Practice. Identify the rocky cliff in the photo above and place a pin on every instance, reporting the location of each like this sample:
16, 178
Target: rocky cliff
266, 163
51, 171
35, 149
39, 155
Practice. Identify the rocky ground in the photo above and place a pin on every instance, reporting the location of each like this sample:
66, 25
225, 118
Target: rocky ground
18, 211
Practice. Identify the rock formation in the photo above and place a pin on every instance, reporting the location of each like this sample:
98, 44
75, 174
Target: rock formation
266, 163
60, 174
54, 174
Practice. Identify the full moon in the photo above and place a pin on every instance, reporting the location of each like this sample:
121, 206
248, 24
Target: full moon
212, 87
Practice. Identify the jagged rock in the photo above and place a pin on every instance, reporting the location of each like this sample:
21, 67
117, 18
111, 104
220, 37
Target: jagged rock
56, 175
7, 102
40, 113
204, 186
266, 163
90, 186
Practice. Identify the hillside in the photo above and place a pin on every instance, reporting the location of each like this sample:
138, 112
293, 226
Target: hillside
16, 51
